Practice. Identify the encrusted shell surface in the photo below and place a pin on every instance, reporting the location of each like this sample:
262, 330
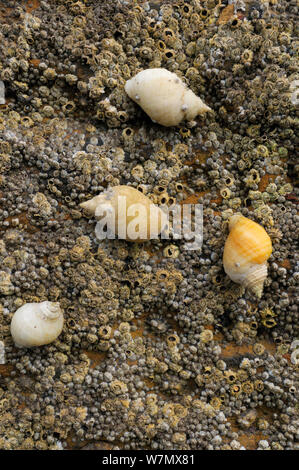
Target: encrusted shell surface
164, 97
246, 251
151, 220
36, 324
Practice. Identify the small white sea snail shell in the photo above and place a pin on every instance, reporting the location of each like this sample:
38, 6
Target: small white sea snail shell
164, 97
36, 324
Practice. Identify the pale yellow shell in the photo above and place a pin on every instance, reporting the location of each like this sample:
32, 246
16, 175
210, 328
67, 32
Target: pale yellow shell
164, 97
36, 324
151, 220
246, 251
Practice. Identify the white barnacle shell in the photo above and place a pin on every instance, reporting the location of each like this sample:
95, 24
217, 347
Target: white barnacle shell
36, 324
164, 97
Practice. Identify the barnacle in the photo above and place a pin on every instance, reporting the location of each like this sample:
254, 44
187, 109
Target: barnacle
225, 193
236, 389
206, 336
235, 23
128, 133
137, 172
252, 178
6, 286
269, 322
5, 162
230, 375
267, 314
171, 251
259, 385
247, 57
247, 387
172, 340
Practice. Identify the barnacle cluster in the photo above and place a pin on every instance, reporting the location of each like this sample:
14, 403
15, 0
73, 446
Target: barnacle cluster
159, 348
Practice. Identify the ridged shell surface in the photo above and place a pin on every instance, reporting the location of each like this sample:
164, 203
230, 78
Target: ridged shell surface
164, 97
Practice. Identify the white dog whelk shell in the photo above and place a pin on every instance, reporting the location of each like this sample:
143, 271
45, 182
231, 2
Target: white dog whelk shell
164, 97
36, 324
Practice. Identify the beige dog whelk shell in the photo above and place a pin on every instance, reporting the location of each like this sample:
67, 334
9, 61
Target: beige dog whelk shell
164, 97
36, 324
126, 204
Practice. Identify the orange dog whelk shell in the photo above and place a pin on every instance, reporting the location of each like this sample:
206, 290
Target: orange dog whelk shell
246, 251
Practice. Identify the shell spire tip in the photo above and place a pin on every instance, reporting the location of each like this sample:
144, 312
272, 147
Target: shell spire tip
257, 289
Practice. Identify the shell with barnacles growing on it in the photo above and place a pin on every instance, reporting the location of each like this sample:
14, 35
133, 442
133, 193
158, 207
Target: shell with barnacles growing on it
129, 214
164, 97
36, 324
246, 251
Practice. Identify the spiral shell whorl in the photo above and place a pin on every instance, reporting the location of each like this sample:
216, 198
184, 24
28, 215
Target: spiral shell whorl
233, 220
91, 205
49, 310
255, 279
194, 105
